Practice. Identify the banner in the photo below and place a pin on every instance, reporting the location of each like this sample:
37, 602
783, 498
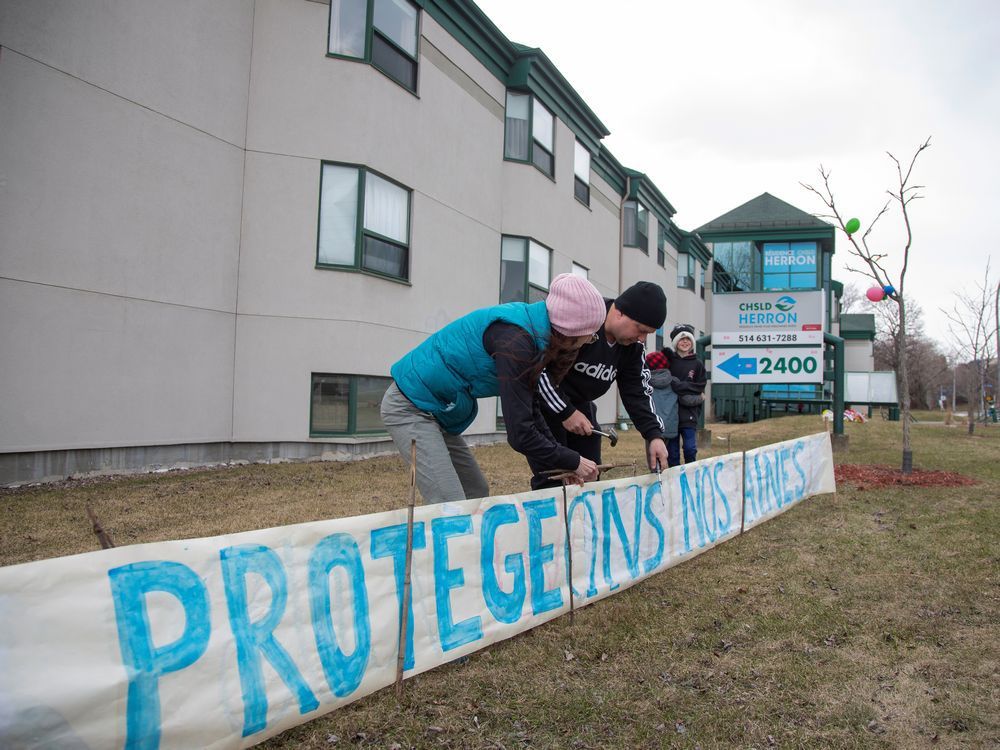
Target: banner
226, 641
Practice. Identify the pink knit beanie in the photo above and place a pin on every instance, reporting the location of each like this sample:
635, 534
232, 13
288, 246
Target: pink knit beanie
575, 306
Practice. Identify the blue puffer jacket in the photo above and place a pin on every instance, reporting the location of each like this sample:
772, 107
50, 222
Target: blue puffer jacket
665, 400
451, 369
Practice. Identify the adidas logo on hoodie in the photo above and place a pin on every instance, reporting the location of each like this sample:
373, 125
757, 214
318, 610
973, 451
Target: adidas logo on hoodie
600, 371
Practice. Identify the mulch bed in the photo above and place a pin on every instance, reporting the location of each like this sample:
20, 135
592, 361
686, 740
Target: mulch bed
870, 475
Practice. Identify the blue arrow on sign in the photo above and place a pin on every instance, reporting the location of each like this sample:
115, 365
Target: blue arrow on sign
736, 366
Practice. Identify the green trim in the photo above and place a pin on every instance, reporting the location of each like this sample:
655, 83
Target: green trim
856, 336
765, 235
517, 66
533, 71
693, 244
604, 163
475, 31
643, 189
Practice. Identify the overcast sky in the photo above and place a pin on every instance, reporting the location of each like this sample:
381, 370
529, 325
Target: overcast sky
721, 101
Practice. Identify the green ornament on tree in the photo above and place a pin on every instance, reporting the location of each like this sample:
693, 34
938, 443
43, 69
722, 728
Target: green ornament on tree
852, 226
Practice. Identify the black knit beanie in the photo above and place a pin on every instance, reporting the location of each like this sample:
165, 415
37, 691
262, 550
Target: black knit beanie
645, 303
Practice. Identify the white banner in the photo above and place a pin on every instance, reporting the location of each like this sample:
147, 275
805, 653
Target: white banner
782, 474
226, 641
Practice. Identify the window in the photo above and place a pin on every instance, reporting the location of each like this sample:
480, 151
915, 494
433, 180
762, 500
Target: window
581, 173
346, 404
388, 40
789, 265
701, 279
525, 270
659, 338
542, 138
636, 226
734, 266
661, 247
686, 270
364, 222
529, 133
579, 270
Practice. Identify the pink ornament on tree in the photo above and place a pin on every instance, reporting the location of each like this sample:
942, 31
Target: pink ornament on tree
875, 294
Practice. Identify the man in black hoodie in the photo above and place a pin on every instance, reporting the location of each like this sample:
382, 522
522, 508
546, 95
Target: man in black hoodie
617, 354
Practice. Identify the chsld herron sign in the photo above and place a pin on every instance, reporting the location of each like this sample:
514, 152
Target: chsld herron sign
768, 337
225, 641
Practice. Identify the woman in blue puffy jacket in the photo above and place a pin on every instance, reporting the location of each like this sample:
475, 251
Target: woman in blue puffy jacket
495, 351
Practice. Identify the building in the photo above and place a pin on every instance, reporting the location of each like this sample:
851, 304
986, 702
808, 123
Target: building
221, 223
767, 244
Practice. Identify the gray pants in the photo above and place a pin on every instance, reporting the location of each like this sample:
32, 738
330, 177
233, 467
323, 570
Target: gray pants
446, 468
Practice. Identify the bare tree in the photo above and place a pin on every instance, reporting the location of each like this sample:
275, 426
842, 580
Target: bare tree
874, 265
927, 366
974, 334
853, 299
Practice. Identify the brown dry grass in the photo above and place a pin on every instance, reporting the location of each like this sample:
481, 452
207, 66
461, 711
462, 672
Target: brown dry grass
868, 618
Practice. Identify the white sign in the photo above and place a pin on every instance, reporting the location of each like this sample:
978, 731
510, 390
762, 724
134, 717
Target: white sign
870, 388
766, 365
766, 338
767, 313
225, 641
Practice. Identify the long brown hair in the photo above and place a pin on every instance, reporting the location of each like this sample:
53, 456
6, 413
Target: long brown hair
557, 358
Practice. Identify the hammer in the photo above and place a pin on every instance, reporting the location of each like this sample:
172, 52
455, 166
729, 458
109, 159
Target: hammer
611, 435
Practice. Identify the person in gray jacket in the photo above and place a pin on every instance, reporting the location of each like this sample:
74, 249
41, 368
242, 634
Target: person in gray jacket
664, 396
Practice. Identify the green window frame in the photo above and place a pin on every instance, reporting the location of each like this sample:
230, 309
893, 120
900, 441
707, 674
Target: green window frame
345, 404
581, 173
529, 132
686, 271
383, 33
661, 247
525, 269
636, 226
363, 224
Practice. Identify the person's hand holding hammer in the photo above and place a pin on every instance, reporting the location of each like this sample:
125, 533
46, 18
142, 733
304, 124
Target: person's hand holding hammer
577, 423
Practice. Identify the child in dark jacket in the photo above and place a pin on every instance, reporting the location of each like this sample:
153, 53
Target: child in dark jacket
689, 385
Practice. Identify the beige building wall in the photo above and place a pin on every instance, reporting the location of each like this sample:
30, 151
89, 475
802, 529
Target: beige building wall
859, 356
121, 159
160, 172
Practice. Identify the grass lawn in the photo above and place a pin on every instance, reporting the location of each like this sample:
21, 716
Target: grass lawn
868, 618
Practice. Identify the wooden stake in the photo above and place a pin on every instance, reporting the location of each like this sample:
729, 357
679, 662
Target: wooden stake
569, 558
404, 618
102, 536
743, 493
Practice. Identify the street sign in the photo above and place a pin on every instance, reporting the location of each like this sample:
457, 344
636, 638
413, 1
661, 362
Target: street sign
758, 364
740, 318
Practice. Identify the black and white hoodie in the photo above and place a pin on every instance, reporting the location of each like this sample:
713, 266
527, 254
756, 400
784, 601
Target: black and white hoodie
597, 366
